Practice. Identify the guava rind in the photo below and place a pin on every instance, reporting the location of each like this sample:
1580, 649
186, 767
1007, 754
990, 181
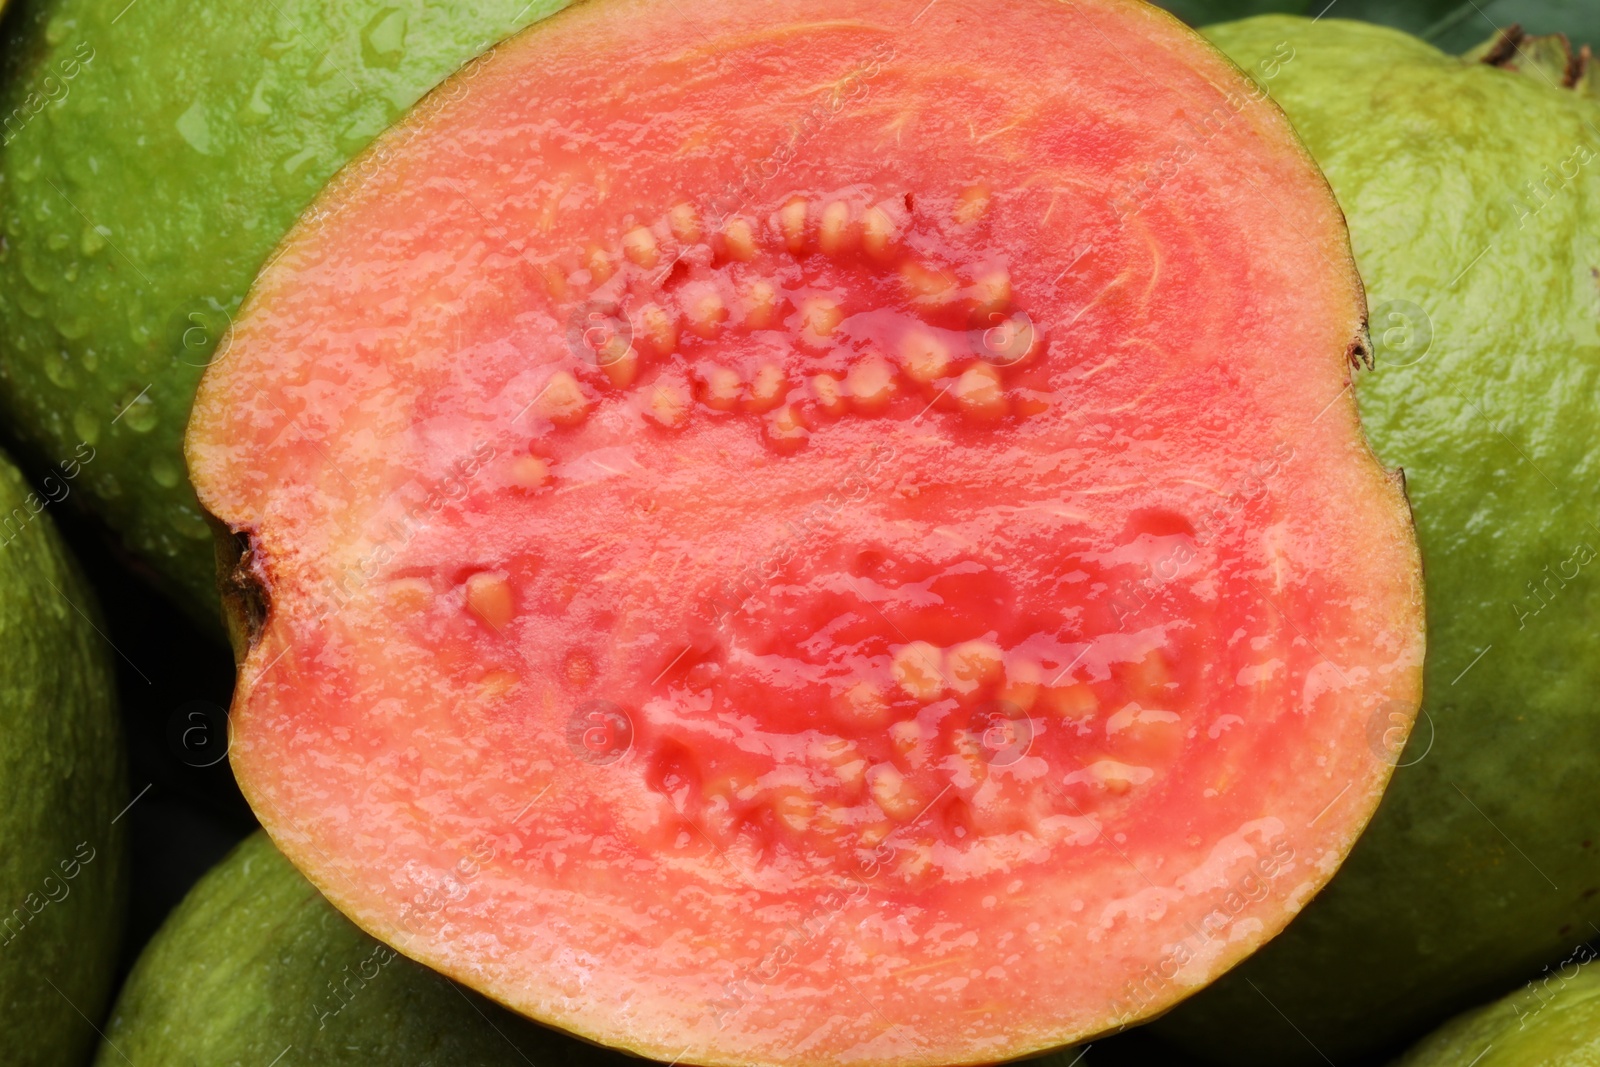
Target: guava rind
255, 961
1552, 1021
62, 783
1481, 862
154, 156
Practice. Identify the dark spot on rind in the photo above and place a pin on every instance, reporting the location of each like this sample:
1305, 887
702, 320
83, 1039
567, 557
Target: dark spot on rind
1513, 49
1503, 46
1577, 66
1360, 351
245, 600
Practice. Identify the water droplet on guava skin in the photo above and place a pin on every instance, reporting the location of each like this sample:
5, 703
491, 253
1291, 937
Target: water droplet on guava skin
383, 41
58, 368
194, 129
191, 525
165, 472
275, 50
292, 171
30, 304
86, 426
140, 413
40, 276
325, 69
360, 133
258, 108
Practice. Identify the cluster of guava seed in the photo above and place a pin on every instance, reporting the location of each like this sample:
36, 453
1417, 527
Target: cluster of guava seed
934, 781
665, 297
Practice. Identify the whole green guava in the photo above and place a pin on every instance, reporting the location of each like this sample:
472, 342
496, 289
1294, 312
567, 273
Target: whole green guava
255, 968
62, 787
1473, 195
1552, 1021
153, 156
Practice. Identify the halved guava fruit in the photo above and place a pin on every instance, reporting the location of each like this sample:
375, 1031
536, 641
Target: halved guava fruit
817, 534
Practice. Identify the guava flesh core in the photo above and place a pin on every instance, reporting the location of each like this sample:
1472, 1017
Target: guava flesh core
155, 154
1553, 1021
857, 577
255, 962
1471, 194
62, 785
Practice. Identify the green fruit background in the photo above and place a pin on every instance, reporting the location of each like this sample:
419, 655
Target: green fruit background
155, 152
154, 156
63, 870
255, 964
1553, 1021
1483, 275
1449, 25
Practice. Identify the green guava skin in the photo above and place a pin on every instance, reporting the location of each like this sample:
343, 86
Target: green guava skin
1483, 861
63, 884
154, 155
1553, 1021
255, 965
